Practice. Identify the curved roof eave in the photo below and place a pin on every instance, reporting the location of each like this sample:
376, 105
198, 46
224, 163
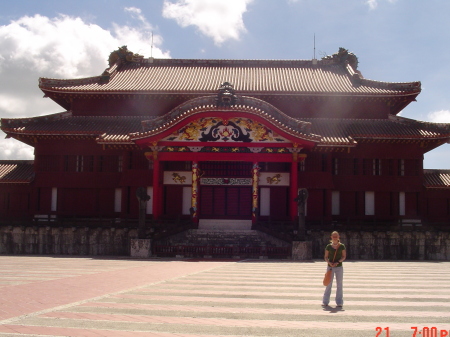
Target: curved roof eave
242, 92
247, 105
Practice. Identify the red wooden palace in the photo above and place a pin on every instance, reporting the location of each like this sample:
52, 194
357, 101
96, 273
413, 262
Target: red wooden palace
228, 140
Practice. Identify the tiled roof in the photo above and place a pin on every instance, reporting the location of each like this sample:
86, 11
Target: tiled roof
247, 76
437, 178
345, 132
16, 171
112, 128
331, 132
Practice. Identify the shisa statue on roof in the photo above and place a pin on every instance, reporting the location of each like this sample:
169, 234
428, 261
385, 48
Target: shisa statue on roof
124, 55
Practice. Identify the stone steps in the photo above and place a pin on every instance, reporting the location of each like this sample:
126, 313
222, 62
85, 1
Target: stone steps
223, 238
203, 237
224, 224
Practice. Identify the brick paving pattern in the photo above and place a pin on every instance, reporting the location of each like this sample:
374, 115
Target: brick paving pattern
83, 296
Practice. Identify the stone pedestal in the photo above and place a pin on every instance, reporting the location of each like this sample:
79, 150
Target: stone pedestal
140, 248
302, 250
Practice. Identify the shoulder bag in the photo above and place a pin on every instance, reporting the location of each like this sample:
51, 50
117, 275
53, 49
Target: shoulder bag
329, 273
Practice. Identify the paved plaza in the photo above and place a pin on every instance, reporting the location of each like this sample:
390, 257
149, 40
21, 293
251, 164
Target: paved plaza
91, 296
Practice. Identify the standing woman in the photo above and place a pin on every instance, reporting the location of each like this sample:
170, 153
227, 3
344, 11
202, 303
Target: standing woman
335, 250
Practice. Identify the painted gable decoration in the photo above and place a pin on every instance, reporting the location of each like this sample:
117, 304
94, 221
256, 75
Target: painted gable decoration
217, 129
238, 128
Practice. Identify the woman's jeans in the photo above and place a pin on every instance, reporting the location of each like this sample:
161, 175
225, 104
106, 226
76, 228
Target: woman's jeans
339, 273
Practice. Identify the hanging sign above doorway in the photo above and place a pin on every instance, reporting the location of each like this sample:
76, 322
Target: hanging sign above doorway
226, 181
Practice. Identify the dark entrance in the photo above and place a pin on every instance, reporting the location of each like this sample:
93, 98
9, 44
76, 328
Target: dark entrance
226, 202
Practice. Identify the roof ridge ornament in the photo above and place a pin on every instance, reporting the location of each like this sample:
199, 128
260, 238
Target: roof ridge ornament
124, 55
343, 56
225, 95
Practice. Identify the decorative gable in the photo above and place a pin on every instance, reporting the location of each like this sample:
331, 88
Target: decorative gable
218, 129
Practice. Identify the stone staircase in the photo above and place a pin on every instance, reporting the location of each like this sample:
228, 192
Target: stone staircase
222, 224
226, 243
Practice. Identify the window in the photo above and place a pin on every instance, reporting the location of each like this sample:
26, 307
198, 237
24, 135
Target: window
313, 163
367, 167
274, 167
355, 167
118, 200
372, 167
48, 163
120, 164
70, 163
377, 167
391, 203
324, 162
150, 202
87, 163
75, 163
401, 167
186, 200
137, 160
412, 167
54, 200
335, 166
335, 203
391, 167
187, 166
345, 166
316, 162
402, 203
179, 165
301, 166
111, 163
264, 201
369, 203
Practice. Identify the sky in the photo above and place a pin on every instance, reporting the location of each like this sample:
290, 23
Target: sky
394, 40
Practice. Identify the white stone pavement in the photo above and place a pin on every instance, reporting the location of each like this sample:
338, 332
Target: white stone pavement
229, 298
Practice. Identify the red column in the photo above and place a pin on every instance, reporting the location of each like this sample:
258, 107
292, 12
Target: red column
195, 186
293, 209
255, 192
157, 195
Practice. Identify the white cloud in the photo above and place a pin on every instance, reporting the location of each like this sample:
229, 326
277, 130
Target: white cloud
61, 47
13, 149
442, 116
137, 13
220, 20
373, 4
66, 46
12, 104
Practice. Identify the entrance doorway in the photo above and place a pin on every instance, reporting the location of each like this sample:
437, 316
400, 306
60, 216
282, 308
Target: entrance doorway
226, 202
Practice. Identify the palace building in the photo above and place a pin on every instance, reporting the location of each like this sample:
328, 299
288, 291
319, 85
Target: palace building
228, 144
